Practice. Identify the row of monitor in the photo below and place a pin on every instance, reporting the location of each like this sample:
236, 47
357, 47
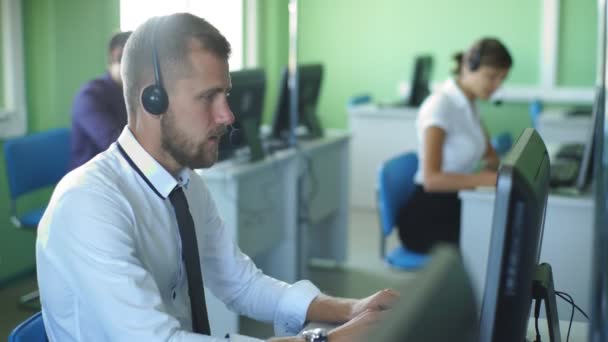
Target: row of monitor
247, 102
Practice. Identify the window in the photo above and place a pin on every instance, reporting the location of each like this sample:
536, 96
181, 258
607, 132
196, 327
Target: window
226, 15
12, 107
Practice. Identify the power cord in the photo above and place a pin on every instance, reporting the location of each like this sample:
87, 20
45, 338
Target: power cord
304, 212
566, 297
537, 303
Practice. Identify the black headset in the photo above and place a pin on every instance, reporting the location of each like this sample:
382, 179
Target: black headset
154, 97
475, 57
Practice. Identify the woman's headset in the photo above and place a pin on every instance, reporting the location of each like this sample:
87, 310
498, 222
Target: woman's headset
475, 56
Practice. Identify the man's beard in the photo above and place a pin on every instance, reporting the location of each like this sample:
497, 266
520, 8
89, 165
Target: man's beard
185, 152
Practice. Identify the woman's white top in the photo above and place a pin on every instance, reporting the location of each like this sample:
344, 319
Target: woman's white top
465, 140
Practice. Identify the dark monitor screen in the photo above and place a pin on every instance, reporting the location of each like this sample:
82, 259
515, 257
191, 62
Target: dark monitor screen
246, 101
309, 87
519, 211
599, 282
437, 305
585, 173
423, 67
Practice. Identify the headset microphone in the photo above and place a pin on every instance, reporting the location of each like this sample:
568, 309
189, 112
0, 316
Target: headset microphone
234, 136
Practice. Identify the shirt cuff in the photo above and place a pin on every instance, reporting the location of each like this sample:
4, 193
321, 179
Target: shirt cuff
240, 338
293, 306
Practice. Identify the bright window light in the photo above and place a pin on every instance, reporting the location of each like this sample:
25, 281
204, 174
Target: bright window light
225, 15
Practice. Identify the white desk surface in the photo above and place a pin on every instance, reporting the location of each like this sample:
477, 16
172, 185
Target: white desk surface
566, 197
382, 111
235, 167
578, 333
566, 242
561, 116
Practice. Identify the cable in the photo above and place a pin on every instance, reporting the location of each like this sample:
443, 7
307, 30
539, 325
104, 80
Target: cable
537, 303
566, 297
571, 301
303, 216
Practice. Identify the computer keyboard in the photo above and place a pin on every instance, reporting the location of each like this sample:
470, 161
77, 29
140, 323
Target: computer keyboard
571, 151
564, 172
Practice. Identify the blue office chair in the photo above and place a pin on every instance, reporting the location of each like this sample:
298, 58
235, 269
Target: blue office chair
395, 187
31, 330
534, 110
502, 143
34, 162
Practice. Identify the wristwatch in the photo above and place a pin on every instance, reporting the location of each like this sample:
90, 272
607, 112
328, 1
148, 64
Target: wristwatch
315, 335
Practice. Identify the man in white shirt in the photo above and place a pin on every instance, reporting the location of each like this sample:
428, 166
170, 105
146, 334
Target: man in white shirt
111, 253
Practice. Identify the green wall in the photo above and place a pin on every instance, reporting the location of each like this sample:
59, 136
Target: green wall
1, 66
577, 50
65, 45
273, 45
370, 48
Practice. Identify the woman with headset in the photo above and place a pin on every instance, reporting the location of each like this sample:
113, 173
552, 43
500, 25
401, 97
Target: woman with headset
452, 143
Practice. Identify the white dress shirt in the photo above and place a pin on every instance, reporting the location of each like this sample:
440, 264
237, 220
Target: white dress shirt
465, 139
109, 261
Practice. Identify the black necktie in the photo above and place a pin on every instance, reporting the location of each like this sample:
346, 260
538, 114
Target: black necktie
200, 321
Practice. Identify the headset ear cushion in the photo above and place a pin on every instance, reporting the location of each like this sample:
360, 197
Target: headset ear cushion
155, 99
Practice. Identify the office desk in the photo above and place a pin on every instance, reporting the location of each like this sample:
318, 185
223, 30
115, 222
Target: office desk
556, 127
566, 244
283, 210
379, 133
323, 197
578, 333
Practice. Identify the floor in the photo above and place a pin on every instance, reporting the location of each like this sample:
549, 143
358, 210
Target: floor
362, 274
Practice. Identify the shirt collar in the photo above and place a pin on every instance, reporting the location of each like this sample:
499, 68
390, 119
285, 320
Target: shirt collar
155, 175
451, 88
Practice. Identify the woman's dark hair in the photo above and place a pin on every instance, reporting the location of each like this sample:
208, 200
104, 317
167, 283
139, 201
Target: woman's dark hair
485, 52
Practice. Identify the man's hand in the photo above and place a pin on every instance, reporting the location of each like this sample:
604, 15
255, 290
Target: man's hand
358, 328
341, 310
379, 301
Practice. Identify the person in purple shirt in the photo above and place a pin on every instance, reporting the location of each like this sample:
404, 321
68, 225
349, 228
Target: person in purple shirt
99, 112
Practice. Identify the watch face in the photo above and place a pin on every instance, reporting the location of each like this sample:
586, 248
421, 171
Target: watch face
315, 335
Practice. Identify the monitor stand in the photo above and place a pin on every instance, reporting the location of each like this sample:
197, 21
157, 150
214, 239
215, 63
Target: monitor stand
543, 290
312, 123
252, 135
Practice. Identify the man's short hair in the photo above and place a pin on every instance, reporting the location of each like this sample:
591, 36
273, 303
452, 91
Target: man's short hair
172, 37
118, 41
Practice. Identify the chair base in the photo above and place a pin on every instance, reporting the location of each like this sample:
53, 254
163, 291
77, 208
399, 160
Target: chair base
30, 300
404, 259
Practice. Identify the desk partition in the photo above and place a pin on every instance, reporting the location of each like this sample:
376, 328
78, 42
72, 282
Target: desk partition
283, 210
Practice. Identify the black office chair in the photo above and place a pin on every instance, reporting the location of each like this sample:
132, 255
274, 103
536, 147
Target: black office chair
34, 162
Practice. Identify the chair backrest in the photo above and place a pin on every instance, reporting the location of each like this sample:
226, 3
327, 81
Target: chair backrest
534, 110
502, 143
395, 187
31, 330
36, 160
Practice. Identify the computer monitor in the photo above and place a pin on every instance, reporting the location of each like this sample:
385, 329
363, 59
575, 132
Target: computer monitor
517, 230
309, 87
598, 329
423, 68
246, 101
585, 172
437, 305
